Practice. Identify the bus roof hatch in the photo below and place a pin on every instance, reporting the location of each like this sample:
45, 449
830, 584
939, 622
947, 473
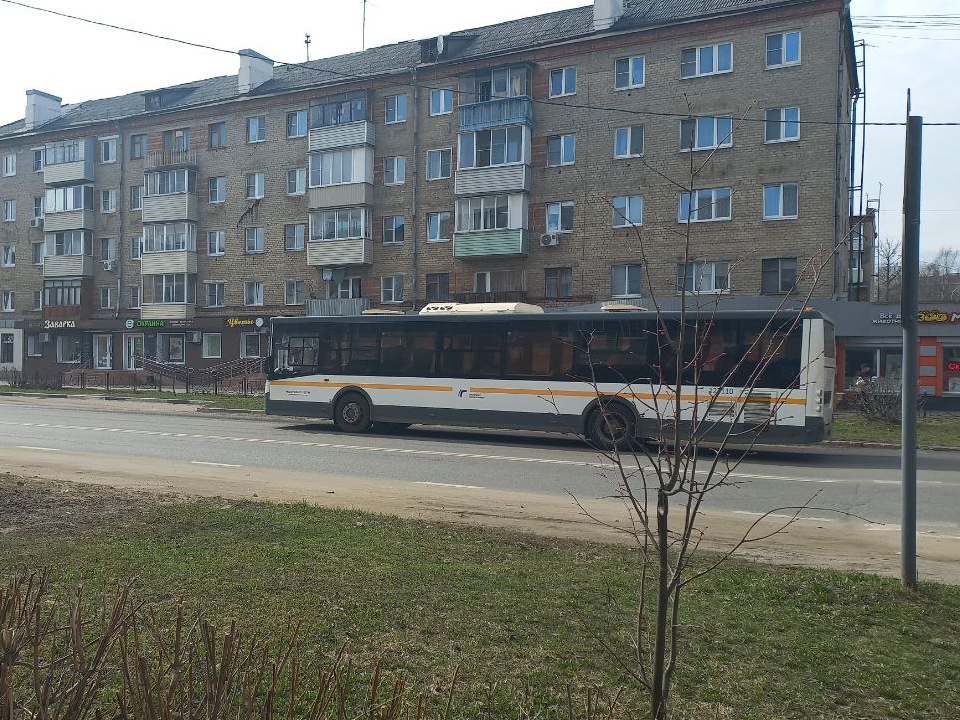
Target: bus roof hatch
442, 308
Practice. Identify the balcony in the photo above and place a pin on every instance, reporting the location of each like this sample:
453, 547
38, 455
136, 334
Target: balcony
76, 171
171, 159
331, 137
337, 306
60, 266
336, 196
339, 253
496, 296
168, 261
68, 220
170, 208
494, 113
168, 311
493, 180
487, 243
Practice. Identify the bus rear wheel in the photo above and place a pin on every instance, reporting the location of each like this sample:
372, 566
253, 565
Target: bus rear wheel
352, 414
612, 426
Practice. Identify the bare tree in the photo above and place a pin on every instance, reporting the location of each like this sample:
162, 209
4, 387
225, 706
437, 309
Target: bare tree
940, 277
888, 271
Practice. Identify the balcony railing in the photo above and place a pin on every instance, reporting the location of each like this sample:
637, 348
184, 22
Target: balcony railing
490, 297
493, 113
171, 158
337, 306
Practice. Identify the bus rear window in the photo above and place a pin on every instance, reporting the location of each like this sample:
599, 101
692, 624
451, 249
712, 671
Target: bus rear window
829, 340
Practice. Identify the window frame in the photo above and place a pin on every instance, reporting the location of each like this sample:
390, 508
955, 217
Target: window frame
259, 237
630, 134
301, 236
204, 350
713, 204
218, 131
220, 183
564, 73
106, 292
301, 174
563, 280
109, 207
784, 62
397, 119
560, 205
296, 115
8, 301
439, 216
623, 217
8, 255
781, 124
695, 140
631, 85
443, 94
298, 291
243, 344
563, 148
260, 122
258, 187
715, 52
136, 198
220, 293
779, 270
472, 164
393, 230
136, 298
221, 244
318, 222
138, 146
781, 200
394, 298
696, 290
398, 162
111, 143
9, 162
449, 150
9, 211
626, 280
439, 280
258, 287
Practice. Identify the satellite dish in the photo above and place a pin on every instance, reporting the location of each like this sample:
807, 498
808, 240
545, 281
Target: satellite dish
440, 42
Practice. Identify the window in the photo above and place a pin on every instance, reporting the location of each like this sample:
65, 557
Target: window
778, 275
38, 207
169, 182
441, 101
485, 148
136, 247
491, 212
37, 253
703, 277
108, 150
6, 347
487, 84
294, 236
9, 164
296, 181
252, 293
706, 133
211, 345
705, 205
780, 201
216, 189
60, 153
627, 210
482, 282
332, 168
338, 110
438, 287
345, 289
138, 146
342, 224
170, 236
394, 170
254, 242
561, 150
9, 301
108, 249
559, 217
170, 288
438, 226
136, 197
34, 346
178, 139
170, 347
783, 49
296, 124
391, 288
108, 201
257, 129
629, 72
293, 292
393, 227
9, 256
134, 297
395, 109
216, 242
628, 142
558, 282
61, 293
250, 345
781, 124
256, 185
9, 210
625, 280
106, 298
438, 163
563, 81
215, 293
217, 132
69, 348
68, 242
38, 299
38, 160
706, 60
74, 197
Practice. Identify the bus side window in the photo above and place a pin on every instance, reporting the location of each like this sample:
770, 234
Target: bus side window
360, 354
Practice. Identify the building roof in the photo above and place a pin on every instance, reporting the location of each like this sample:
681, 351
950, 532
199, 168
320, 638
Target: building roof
513, 35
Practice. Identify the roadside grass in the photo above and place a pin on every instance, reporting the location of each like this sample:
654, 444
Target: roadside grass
223, 400
522, 613
933, 430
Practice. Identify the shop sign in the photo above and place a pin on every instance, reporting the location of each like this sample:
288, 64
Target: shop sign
925, 316
244, 322
149, 323
953, 366
59, 324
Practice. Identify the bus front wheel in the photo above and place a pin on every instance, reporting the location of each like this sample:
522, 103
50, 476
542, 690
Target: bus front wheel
612, 426
352, 414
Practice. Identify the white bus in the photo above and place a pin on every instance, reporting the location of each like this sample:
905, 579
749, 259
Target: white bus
516, 367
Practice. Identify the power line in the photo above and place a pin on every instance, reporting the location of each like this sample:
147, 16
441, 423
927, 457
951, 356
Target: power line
354, 76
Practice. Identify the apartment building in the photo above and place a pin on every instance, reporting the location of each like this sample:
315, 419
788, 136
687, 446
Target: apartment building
541, 159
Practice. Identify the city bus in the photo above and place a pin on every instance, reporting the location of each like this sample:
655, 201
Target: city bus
607, 376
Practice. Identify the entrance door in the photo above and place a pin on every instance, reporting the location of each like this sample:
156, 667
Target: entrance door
103, 352
132, 352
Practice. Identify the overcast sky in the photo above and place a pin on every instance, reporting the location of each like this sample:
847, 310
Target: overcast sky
79, 62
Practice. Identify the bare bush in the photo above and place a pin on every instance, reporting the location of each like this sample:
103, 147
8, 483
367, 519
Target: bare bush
877, 399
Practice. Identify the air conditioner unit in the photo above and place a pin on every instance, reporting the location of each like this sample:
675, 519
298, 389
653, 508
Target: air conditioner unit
44, 337
194, 336
549, 240
36, 222
109, 264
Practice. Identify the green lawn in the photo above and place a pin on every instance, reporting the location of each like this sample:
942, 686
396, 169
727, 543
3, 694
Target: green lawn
250, 402
931, 430
759, 642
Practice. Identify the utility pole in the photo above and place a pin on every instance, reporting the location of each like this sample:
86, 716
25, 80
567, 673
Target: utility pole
909, 312
306, 41
363, 27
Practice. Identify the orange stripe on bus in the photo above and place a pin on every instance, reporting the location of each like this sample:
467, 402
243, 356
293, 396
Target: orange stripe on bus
635, 396
364, 386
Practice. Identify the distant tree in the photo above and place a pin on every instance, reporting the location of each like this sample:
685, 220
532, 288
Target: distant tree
888, 271
940, 278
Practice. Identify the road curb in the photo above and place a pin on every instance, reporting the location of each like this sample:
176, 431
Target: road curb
236, 411
97, 396
893, 446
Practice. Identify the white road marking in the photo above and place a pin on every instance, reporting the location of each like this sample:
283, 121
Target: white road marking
33, 447
201, 462
451, 485
781, 515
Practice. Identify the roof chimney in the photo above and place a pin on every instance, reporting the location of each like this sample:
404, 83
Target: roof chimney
255, 70
41, 108
606, 13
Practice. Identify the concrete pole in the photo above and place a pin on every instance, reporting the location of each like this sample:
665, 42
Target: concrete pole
909, 312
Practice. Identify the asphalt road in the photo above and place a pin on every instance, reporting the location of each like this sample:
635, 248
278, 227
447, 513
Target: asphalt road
862, 481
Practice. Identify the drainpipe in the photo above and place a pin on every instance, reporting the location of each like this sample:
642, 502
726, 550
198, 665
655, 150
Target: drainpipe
121, 158
414, 211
